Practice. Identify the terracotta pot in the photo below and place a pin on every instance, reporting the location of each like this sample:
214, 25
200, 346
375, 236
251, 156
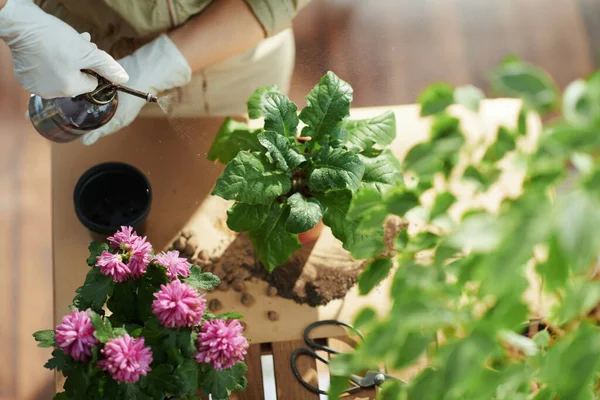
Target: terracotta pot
312, 234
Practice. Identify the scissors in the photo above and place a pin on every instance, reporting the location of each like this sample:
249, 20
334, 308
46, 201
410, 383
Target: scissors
370, 379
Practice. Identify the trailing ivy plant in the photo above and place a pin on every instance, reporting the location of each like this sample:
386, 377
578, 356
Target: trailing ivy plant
284, 182
460, 315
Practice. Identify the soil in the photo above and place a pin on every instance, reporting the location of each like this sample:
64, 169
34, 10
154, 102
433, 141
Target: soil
316, 283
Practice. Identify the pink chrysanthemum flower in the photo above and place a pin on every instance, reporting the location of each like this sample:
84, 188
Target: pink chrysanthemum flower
123, 239
174, 264
126, 358
178, 305
112, 265
140, 256
221, 343
75, 335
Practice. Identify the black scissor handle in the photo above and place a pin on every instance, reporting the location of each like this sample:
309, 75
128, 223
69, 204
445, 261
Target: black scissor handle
311, 343
310, 353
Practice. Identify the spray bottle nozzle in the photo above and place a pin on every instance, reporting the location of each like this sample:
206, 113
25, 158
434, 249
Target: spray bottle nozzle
104, 93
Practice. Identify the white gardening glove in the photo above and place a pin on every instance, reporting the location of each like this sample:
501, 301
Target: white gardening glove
155, 67
49, 54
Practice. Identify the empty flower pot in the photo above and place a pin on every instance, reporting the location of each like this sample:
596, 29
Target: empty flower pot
110, 195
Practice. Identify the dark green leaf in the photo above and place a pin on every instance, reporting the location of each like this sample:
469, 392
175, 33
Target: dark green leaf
337, 386
336, 169
103, 330
328, 104
391, 390
202, 281
400, 200
188, 375
279, 150
504, 143
130, 391
61, 396
233, 137
413, 346
256, 102
363, 202
556, 269
580, 298
381, 172
483, 177
533, 85
280, 114
122, 302
58, 361
96, 288
96, 248
435, 98
365, 318
160, 380
249, 179
443, 201
220, 384
243, 217
45, 338
304, 213
469, 96
423, 161
272, 242
373, 274
377, 131
77, 381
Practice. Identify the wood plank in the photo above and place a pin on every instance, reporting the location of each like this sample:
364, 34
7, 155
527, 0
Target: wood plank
342, 345
288, 386
254, 389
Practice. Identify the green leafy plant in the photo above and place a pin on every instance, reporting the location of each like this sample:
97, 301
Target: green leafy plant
284, 183
466, 315
144, 348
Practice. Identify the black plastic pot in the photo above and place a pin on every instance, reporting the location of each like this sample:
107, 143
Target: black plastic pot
110, 195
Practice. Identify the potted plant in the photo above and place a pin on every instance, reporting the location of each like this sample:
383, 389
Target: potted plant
458, 315
157, 340
284, 183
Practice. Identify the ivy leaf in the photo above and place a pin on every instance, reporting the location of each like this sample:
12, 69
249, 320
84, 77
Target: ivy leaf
247, 217
279, 150
96, 249
220, 384
365, 133
304, 213
188, 373
336, 169
328, 104
256, 102
96, 288
272, 242
533, 85
248, 179
443, 201
58, 361
280, 114
469, 96
45, 338
436, 98
504, 143
381, 172
202, 281
373, 274
232, 137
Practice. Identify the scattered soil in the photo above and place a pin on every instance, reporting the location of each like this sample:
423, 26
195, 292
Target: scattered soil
326, 278
215, 305
272, 315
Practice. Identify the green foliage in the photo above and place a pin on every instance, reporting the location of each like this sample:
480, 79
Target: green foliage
96, 288
291, 181
202, 281
45, 338
96, 248
464, 289
220, 384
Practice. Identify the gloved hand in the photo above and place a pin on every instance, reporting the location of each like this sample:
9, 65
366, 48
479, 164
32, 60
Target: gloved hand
155, 67
49, 54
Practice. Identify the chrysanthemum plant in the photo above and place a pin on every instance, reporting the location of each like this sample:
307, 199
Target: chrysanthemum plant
284, 182
464, 293
139, 329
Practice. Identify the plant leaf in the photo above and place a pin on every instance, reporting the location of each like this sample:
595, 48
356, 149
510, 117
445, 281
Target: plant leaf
45, 338
96, 288
504, 143
400, 200
96, 248
247, 217
336, 169
279, 150
248, 179
257, 99
373, 274
423, 161
159, 381
435, 98
469, 96
304, 213
230, 315
280, 114
365, 133
103, 330
381, 172
232, 137
220, 384
188, 374
328, 104
272, 242
122, 302
363, 202
58, 361
443, 201
202, 281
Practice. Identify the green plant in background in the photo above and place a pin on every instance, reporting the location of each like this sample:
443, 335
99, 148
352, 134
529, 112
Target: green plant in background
459, 291
283, 183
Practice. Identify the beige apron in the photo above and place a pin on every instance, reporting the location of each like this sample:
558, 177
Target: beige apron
218, 90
